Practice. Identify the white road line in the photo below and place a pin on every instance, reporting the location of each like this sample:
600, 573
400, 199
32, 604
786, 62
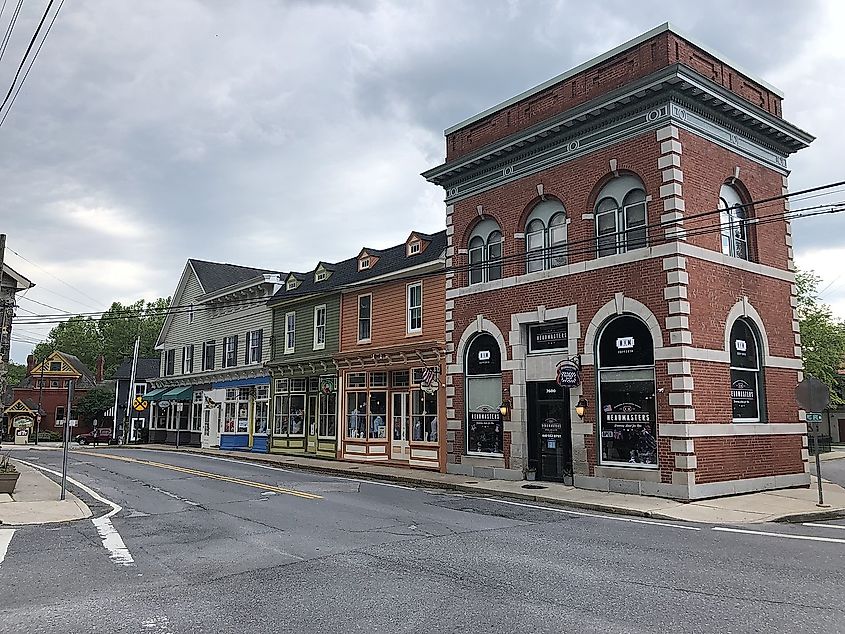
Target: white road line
595, 515
815, 525
5, 540
112, 541
809, 538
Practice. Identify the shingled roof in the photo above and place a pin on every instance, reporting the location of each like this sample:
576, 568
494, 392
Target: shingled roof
216, 275
346, 273
148, 368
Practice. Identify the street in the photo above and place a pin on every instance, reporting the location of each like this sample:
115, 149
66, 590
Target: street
205, 544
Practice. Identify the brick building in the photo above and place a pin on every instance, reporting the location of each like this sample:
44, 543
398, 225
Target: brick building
618, 230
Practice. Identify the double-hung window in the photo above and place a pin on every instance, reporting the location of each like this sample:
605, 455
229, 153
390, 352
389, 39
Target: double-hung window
733, 219
319, 327
365, 305
484, 252
188, 359
290, 332
170, 362
208, 352
414, 310
621, 217
254, 341
230, 351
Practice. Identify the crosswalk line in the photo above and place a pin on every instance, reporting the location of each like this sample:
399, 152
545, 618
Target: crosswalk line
5, 540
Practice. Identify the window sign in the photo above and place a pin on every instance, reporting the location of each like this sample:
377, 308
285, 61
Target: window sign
548, 337
745, 374
628, 408
484, 395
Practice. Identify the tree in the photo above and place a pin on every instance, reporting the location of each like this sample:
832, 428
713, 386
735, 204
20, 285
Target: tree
96, 401
112, 335
822, 337
16, 374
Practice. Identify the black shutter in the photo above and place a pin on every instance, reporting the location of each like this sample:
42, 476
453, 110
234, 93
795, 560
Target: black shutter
247, 339
260, 344
235, 355
203, 357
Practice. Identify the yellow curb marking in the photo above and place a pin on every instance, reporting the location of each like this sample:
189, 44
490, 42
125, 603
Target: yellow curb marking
206, 474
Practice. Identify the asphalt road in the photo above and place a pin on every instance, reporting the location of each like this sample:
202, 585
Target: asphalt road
211, 545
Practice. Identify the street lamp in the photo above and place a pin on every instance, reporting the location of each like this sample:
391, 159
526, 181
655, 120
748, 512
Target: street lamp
581, 407
505, 407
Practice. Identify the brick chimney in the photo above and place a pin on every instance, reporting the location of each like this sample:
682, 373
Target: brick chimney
98, 375
30, 363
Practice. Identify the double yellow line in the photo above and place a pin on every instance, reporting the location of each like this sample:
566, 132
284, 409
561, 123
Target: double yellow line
206, 474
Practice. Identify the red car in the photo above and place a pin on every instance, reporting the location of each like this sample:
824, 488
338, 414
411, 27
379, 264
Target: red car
99, 435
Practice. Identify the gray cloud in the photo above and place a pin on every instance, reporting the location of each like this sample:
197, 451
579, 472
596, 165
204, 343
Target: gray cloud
279, 134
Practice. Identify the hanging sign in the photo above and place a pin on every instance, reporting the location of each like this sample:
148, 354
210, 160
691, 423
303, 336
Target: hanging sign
568, 374
327, 386
164, 404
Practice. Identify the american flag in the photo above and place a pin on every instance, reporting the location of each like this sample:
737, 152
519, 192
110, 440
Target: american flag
429, 376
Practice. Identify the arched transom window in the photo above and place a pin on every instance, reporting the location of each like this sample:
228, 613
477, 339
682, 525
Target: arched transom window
733, 218
545, 236
746, 380
621, 216
485, 252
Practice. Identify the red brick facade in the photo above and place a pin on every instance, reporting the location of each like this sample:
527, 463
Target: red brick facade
681, 285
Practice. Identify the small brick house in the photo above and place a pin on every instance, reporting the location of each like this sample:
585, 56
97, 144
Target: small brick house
620, 285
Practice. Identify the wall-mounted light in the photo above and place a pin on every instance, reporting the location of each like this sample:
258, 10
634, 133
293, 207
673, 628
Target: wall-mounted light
505, 407
581, 407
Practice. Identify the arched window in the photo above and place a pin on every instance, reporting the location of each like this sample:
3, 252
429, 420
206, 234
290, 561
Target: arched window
733, 218
545, 236
485, 252
483, 370
746, 379
621, 217
626, 404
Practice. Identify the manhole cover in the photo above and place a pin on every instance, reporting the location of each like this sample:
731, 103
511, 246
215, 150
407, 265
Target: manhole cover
533, 486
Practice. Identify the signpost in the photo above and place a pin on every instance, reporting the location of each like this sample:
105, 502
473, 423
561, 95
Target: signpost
814, 397
139, 404
66, 437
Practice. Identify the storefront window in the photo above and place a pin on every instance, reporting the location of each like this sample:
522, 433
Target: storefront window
746, 386
328, 415
356, 421
628, 415
423, 416
297, 415
262, 408
483, 368
196, 412
378, 414
243, 410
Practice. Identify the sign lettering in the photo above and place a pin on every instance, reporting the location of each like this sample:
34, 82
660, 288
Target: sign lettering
625, 343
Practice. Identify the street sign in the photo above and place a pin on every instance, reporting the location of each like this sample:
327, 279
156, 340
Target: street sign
61, 423
139, 404
164, 404
812, 395
813, 417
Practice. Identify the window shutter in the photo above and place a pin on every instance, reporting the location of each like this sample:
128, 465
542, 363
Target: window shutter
235, 342
260, 344
248, 340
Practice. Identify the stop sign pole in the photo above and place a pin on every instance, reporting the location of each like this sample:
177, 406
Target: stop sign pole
814, 397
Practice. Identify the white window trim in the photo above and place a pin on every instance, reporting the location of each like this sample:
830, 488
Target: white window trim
320, 276
291, 285
226, 341
358, 322
620, 235
316, 344
185, 350
363, 264
414, 247
251, 338
290, 349
408, 308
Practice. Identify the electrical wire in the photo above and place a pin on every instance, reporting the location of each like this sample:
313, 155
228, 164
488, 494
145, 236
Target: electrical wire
26, 54
31, 62
10, 28
35, 301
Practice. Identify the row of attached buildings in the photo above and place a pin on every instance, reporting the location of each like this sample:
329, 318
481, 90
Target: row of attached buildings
611, 304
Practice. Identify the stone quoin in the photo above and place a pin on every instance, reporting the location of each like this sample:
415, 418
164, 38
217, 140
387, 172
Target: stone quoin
626, 216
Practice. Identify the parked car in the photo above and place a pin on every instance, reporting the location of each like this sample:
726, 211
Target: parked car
99, 435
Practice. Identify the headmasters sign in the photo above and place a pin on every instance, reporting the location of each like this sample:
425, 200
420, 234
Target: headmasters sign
548, 337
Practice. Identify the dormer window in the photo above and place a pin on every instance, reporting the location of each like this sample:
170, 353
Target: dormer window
291, 284
320, 276
414, 247
363, 263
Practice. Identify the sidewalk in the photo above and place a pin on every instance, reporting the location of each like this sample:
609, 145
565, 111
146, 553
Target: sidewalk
36, 501
772, 506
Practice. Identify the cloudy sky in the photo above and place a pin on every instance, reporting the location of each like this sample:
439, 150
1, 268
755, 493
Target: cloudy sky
278, 133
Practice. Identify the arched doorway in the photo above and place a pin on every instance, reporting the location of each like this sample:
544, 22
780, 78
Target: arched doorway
626, 394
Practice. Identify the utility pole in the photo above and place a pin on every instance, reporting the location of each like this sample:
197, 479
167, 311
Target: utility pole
3, 326
40, 399
66, 442
130, 395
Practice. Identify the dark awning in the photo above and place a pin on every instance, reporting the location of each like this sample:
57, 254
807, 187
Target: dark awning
184, 393
156, 395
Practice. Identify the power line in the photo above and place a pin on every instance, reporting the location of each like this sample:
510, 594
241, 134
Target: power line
26, 54
10, 28
35, 301
32, 61
55, 277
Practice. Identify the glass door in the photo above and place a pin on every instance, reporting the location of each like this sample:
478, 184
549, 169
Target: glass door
549, 429
311, 426
399, 426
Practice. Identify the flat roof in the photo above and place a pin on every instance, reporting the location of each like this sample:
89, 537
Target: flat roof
666, 26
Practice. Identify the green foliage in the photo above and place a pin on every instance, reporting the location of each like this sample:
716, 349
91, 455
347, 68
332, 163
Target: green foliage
822, 337
96, 401
112, 335
16, 373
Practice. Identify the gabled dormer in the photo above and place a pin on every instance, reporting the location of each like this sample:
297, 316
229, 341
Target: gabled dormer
416, 243
323, 272
292, 282
367, 259
54, 365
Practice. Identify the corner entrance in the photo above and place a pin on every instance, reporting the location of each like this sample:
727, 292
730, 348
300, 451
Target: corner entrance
549, 432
